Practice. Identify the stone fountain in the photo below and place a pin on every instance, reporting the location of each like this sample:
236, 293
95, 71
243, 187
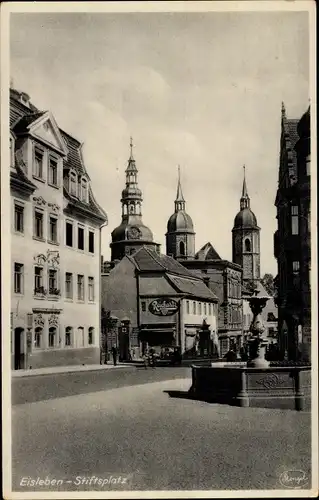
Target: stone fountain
257, 344
255, 383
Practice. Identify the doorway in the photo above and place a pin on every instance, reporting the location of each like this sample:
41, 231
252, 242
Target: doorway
18, 348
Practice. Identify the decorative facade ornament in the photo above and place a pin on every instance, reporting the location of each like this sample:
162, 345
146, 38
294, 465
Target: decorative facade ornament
39, 200
40, 259
54, 207
38, 320
54, 320
53, 258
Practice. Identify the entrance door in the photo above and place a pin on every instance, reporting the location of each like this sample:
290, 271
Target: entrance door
18, 349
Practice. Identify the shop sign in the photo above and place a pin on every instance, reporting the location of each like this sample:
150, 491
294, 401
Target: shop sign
163, 307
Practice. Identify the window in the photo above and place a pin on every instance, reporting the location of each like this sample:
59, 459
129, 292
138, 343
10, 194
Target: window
91, 289
194, 307
38, 224
247, 245
18, 218
53, 171
18, 278
91, 242
53, 282
68, 336
80, 287
53, 229
80, 339
72, 183
84, 190
38, 280
205, 308
295, 266
38, 337
38, 164
69, 285
52, 336
80, 238
209, 309
182, 248
187, 306
69, 234
294, 220
143, 304
91, 336
199, 308
308, 164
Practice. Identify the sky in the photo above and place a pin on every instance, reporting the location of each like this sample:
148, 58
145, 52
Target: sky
199, 90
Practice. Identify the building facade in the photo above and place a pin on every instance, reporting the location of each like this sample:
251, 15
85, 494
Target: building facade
292, 245
55, 244
161, 304
131, 234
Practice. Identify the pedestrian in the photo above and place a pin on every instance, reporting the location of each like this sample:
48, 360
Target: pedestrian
114, 354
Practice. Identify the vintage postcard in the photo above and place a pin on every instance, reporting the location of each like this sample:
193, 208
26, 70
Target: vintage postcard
159, 249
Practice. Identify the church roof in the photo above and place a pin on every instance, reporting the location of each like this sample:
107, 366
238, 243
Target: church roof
121, 232
180, 221
207, 252
245, 218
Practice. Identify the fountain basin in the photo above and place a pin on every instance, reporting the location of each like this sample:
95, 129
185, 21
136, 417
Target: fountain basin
287, 387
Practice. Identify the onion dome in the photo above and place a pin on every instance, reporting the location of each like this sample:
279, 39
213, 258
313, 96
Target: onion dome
180, 220
246, 217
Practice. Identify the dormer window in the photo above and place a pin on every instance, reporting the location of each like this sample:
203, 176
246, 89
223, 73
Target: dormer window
73, 183
84, 190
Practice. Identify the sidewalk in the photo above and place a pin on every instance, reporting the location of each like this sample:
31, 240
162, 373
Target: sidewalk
68, 369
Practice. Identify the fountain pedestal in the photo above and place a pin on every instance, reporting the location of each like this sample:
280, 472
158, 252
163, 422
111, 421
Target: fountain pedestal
257, 344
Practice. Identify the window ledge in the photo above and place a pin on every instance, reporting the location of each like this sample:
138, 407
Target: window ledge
55, 186
40, 179
40, 297
80, 301
56, 243
92, 302
37, 238
67, 299
54, 297
18, 233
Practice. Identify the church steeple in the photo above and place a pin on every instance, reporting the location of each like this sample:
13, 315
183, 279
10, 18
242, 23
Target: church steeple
180, 201
131, 195
244, 200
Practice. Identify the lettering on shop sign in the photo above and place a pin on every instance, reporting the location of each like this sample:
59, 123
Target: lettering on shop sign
163, 307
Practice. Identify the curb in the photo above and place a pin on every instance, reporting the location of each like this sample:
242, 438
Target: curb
31, 373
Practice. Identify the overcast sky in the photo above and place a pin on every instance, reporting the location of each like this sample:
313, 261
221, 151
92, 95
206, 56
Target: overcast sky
200, 90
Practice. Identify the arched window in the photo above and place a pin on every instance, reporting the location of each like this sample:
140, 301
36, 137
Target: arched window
80, 340
52, 336
182, 248
247, 245
68, 336
38, 337
91, 336
84, 190
73, 183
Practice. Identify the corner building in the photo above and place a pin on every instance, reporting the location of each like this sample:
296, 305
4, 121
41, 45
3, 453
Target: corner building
55, 242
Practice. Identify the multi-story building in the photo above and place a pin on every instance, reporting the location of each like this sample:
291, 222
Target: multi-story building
55, 243
160, 303
292, 238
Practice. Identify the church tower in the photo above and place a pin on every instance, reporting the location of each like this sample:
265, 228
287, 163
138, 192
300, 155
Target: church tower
180, 236
246, 239
131, 234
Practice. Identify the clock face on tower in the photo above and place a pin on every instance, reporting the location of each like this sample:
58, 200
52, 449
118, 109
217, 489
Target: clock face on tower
133, 233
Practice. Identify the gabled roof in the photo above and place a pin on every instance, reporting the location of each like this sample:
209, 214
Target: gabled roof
197, 288
22, 125
148, 260
207, 252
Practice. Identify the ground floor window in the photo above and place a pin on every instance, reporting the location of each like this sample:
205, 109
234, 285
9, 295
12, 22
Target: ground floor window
52, 336
38, 337
68, 336
91, 336
80, 339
